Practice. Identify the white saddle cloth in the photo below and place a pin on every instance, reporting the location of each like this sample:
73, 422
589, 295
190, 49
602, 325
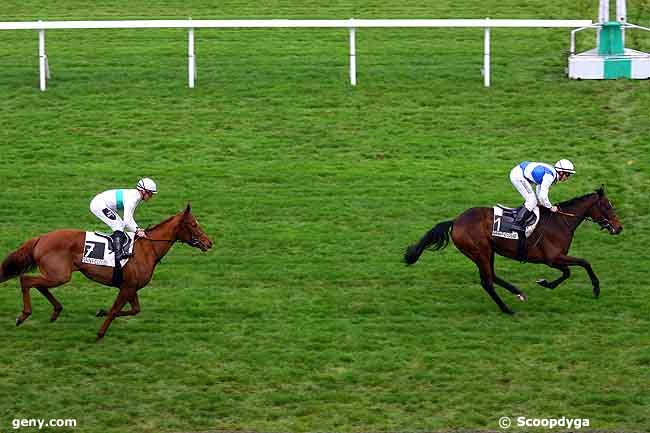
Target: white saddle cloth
96, 250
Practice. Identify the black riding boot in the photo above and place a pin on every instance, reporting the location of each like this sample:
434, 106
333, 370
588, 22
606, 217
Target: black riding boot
118, 244
519, 222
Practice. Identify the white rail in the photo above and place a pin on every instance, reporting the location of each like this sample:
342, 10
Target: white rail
351, 25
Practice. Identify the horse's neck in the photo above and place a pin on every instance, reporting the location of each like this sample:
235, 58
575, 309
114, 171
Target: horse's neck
163, 232
579, 208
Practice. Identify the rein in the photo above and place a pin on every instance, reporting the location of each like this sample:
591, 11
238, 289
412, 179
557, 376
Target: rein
603, 222
566, 213
192, 242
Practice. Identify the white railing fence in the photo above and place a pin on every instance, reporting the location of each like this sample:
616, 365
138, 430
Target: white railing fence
351, 25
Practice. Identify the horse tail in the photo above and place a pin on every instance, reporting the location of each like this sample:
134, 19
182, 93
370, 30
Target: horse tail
19, 262
437, 238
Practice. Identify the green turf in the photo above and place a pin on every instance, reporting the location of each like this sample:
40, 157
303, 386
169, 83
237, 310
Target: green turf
302, 318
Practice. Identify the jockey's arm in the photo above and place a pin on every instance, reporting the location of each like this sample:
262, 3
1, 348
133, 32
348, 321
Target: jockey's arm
129, 222
543, 189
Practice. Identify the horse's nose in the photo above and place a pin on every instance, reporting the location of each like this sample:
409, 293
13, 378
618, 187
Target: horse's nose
620, 229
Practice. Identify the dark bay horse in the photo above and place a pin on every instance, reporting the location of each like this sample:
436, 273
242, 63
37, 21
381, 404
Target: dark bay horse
57, 254
549, 243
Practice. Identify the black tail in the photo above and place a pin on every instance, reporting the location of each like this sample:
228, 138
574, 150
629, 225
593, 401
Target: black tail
18, 262
437, 238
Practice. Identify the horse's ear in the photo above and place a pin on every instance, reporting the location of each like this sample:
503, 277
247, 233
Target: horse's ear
601, 190
188, 209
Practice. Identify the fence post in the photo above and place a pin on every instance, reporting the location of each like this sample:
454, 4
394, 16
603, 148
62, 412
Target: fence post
621, 16
486, 56
353, 56
42, 60
191, 65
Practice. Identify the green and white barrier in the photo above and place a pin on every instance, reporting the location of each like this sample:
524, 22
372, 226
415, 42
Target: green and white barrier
610, 59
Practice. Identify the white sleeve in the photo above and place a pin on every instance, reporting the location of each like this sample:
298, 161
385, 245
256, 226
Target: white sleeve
542, 190
129, 209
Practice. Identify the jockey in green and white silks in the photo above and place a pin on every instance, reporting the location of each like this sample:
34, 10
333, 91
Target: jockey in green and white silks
107, 205
526, 174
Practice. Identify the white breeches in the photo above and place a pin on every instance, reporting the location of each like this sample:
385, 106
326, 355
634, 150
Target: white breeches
107, 215
523, 186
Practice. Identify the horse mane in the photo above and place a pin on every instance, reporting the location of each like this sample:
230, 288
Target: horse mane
149, 228
600, 191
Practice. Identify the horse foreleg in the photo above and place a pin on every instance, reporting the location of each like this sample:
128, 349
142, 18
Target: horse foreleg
135, 308
566, 273
564, 261
121, 299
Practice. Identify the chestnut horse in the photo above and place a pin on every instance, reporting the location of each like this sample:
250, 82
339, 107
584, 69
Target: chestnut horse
549, 243
57, 254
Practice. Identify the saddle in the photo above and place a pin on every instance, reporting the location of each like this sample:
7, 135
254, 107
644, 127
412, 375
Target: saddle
94, 253
505, 216
109, 239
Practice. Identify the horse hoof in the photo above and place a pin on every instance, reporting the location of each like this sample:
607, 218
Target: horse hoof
100, 313
596, 292
55, 315
522, 297
20, 319
544, 283
99, 337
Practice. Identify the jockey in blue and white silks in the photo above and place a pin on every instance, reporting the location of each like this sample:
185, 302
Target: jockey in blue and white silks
526, 174
107, 205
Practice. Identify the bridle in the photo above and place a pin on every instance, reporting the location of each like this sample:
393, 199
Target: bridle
603, 222
194, 241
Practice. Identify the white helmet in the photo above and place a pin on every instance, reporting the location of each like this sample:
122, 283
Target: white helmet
565, 165
148, 185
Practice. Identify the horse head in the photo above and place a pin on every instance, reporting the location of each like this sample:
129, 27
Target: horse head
190, 232
603, 213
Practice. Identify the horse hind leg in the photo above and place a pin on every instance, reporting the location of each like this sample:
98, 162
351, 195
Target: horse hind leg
511, 288
486, 272
43, 283
476, 247
506, 285
27, 303
488, 285
55, 303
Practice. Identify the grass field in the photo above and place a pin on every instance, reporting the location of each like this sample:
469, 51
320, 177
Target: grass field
303, 318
